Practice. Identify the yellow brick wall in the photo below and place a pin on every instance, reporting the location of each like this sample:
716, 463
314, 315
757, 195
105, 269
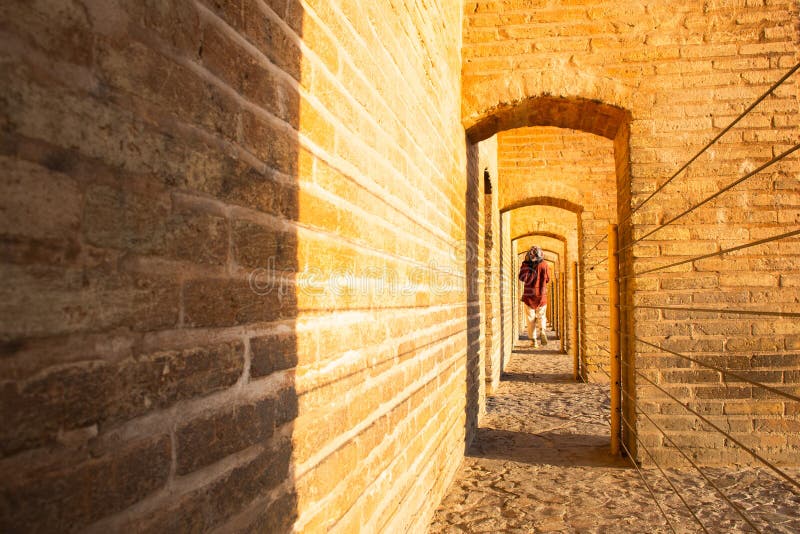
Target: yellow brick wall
661, 79
242, 303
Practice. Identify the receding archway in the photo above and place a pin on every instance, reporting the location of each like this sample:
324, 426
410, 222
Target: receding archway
583, 116
551, 227
555, 261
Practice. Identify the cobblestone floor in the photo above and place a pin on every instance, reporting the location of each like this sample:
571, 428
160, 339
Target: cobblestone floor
540, 463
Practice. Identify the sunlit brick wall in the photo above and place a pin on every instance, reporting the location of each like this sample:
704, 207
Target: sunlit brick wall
234, 262
681, 71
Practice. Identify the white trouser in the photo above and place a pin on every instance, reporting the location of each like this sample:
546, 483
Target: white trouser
537, 323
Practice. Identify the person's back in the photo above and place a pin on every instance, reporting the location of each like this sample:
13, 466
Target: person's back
535, 274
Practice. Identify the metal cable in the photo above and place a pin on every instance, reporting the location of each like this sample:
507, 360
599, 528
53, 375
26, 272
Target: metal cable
598, 366
712, 254
592, 266
720, 370
596, 344
750, 451
714, 140
638, 470
669, 481
595, 245
593, 323
706, 421
603, 391
606, 418
596, 285
733, 505
652, 494
715, 310
715, 195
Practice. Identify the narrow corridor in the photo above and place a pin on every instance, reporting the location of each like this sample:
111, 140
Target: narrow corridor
540, 462
259, 266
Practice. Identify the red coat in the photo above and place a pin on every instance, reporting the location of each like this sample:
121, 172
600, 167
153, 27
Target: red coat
535, 277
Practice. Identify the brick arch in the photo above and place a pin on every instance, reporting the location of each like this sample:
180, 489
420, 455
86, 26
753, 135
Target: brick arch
551, 245
553, 242
555, 256
538, 218
547, 221
545, 201
591, 115
543, 234
545, 242
556, 166
544, 227
553, 193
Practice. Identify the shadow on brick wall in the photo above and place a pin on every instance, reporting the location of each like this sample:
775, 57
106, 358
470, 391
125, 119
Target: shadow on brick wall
148, 258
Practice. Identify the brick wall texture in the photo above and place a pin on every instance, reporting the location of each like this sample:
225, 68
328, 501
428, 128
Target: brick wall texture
234, 264
660, 79
259, 256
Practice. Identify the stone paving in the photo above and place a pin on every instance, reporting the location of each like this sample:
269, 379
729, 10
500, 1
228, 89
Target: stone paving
540, 462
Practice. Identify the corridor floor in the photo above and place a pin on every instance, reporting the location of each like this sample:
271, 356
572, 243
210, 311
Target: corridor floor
540, 462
